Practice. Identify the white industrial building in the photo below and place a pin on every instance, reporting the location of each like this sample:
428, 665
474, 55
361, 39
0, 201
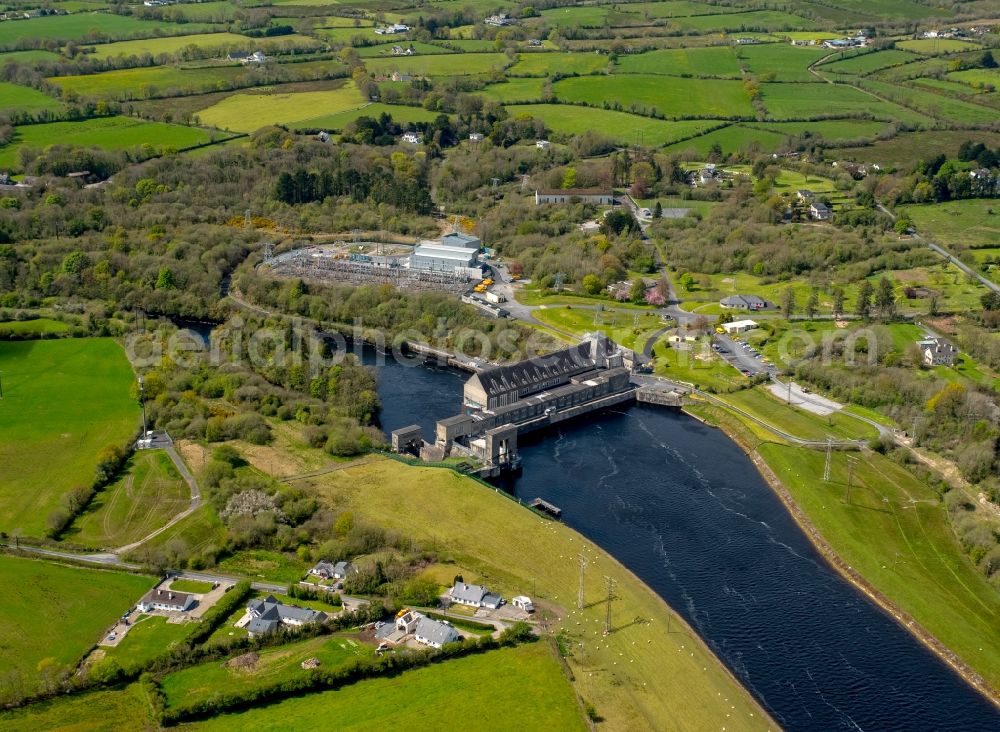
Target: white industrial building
739, 326
455, 253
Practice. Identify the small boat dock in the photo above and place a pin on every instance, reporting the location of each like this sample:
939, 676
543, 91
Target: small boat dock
546, 507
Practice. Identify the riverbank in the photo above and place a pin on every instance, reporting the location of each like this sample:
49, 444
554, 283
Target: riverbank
906, 620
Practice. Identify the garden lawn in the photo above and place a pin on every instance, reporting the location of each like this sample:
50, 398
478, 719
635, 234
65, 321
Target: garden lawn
14, 98
620, 126
138, 503
56, 612
695, 364
248, 112
195, 587
150, 637
974, 222
522, 683
709, 61
895, 533
200, 683
109, 133
545, 64
668, 96
64, 400
680, 686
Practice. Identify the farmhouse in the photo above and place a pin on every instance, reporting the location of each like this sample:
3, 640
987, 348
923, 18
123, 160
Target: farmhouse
267, 615
804, 194
739, 326
159, 599
474, 596
937, 352
412, 138
499, 20
744, 302
598, 196
393, 29
329, 570
819, 211
399, 76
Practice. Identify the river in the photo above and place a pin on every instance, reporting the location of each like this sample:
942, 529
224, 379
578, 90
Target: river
682, 506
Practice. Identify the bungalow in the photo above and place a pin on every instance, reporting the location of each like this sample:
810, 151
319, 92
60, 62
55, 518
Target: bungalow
739, 326
435, 633
499, 20
475, 137
393, 29
819, 211
267, 615
937, 352
474, 596
160, 599
329, 570
744, 302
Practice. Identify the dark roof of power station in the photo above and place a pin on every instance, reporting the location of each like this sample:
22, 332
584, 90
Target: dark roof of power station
542, 369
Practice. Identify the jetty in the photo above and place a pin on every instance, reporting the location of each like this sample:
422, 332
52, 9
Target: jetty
546, 507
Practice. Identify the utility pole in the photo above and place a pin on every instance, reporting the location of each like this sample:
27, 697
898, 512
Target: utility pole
579, 592
611, 595
829, 458
851, 462
142, 401
789, 393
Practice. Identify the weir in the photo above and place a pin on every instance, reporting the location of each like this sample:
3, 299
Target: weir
502, 402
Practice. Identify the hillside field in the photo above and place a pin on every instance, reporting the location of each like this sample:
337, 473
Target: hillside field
63, 401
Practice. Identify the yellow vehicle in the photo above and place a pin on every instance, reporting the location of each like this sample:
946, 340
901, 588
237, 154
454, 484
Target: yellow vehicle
720, 329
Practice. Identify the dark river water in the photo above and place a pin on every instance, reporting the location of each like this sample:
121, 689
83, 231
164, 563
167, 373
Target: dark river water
681, 506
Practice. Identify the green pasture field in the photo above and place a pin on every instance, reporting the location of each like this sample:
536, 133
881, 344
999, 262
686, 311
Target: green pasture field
197, 531
221, 41
781, 61
515, 90
977, 77
347, 34
593, 16
196, 587
951, 87
139, 502
471, 45
899, 150
620, 327
28, 57
670, 9
64, 400
709, 61
670, 96
485, 686
973, 222
337, 21
452, 64
732, 138
146, 81
784, 101
798, 422
400, 113
246, 112
36, 327
547, 63
119, 709
110, 133
935, 46
936, 105
620, 126
264, 564
209, 11
894, 531
927, 66
828, 129
15, 98
866, 63
54, 611
89, 26
904, 9
678, 685
753, 20
384, 50
150, 637
199, 683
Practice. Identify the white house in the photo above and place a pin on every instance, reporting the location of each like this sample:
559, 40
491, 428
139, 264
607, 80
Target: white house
474, 596
434, 633
543, 144
412, 138
267, 615
159, 599
819, 211
599, 196
524, 603
475, 137
393, 29
937, 352
739, 326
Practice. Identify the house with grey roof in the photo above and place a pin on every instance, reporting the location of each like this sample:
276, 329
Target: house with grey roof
474, 596
267, 615
331, 570
819, 211
937, 352
435, 633
167, 600
744, 302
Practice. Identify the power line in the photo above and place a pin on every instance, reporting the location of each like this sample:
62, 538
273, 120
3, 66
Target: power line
579, 592
851, 462
611, 594
829, 458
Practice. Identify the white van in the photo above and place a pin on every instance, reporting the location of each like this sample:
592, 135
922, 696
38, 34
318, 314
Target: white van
524, 603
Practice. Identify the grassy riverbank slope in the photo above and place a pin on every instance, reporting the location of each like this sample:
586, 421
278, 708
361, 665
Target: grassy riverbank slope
892, 530
652, 672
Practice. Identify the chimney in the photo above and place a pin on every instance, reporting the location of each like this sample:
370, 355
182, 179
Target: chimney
171, 595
